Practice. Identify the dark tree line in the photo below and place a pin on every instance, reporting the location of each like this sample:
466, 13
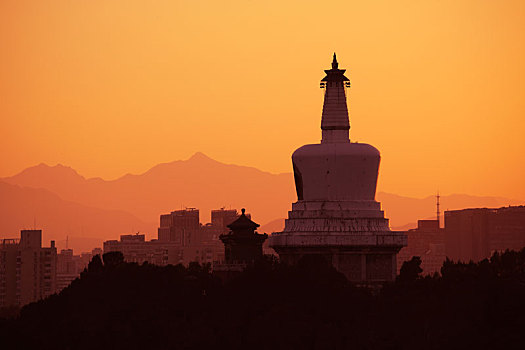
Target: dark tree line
118, 305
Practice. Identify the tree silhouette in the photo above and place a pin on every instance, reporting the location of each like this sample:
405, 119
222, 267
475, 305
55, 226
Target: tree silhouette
410, 270
95, 265
119, 305
113, 259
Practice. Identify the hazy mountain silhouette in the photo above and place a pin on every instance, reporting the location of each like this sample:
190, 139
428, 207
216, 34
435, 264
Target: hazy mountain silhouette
86, 226
272, 226
199, 182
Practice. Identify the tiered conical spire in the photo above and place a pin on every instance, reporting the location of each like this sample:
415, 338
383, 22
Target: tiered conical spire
334, 122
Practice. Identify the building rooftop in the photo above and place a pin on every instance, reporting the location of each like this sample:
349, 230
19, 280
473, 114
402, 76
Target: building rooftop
243, 223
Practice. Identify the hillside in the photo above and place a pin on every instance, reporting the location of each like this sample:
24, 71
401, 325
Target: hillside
118, 305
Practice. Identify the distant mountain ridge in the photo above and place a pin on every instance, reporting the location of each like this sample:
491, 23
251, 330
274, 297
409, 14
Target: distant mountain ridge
26, 208
199, 182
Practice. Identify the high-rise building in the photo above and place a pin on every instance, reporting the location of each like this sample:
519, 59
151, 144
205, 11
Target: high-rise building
180, 226
476, 233
27, 270
471, 234
69, 265
428, 242
135, 248
67, 269
336, 215
223, 217
181, 239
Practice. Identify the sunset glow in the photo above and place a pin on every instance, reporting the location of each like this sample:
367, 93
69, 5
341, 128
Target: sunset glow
262, 174
116, 87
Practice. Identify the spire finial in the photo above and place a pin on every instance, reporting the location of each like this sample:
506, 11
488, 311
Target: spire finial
335, 65
243, 211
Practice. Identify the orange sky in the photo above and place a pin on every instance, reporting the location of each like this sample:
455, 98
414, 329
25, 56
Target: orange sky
111, 87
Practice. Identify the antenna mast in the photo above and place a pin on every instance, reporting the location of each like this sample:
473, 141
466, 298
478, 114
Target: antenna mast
438, 212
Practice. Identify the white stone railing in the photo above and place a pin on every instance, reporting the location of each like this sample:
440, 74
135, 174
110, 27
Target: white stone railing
359, 240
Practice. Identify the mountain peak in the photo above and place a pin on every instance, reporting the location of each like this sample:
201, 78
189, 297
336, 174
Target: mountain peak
199, 156
56, 167
45, 174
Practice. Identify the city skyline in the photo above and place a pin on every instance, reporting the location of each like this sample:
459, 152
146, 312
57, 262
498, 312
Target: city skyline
200, 182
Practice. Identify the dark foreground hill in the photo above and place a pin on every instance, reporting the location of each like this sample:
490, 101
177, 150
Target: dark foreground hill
119, 305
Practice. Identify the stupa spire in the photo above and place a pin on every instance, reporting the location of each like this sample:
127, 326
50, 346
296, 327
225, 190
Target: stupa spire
334, 122
335, 65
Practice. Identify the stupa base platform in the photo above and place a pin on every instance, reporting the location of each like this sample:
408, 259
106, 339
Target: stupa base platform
373, 265
352, 235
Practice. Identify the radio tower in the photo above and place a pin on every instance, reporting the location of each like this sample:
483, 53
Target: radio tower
438, 213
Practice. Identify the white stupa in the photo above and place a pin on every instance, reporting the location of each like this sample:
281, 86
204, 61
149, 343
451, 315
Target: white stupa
336, 214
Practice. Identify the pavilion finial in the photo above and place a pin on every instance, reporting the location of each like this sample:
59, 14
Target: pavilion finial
335, 65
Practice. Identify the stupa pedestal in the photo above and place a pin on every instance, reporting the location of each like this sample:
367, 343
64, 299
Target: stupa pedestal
352, 235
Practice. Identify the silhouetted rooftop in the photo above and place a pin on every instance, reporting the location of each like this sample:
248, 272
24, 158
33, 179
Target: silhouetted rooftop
335, 74
243, 222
